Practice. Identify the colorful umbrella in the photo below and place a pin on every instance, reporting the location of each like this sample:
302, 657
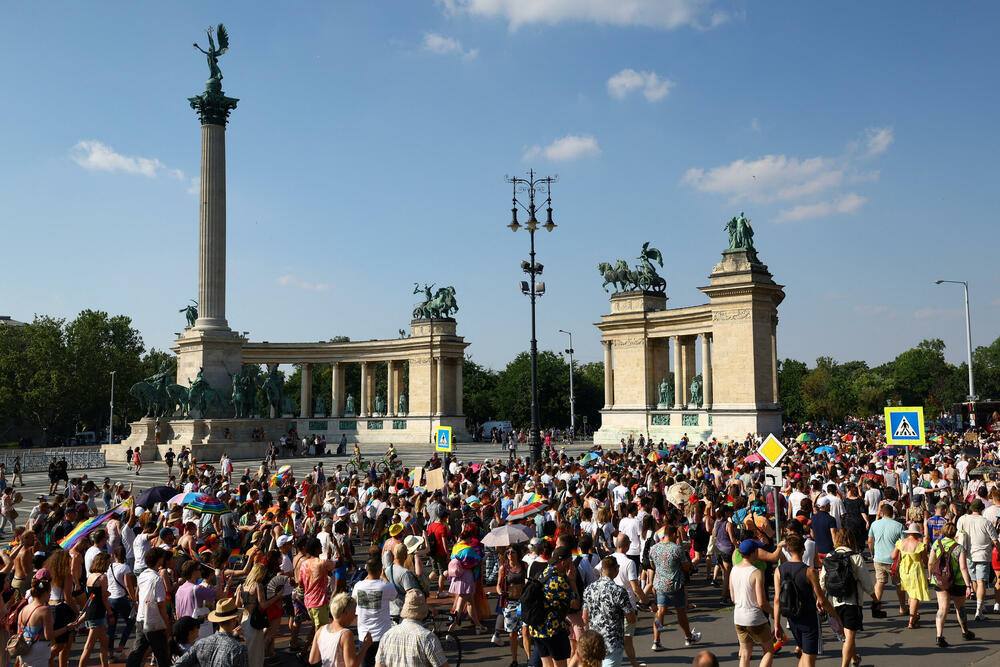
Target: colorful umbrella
753, 458
847, 438
184, 498
889, 451
657, 455
84, 528
208, 505
825, 449
525, 511
940, 439
534, 498
806, 437
590, 456
985, 470
504, 536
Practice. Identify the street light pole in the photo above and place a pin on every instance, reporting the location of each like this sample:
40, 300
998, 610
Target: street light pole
572, 405
111, 421
968, 342
532, 288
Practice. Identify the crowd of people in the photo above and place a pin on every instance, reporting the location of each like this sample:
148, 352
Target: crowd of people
562, 561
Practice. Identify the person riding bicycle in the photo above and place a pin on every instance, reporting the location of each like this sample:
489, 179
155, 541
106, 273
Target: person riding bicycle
390, 454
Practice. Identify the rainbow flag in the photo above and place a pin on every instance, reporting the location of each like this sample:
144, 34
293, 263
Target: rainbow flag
534, 498
235, 556
84, 528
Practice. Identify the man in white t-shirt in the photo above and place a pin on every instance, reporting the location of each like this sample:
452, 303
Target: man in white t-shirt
373, 596
99, 544
631, 527
795, 499
153, 622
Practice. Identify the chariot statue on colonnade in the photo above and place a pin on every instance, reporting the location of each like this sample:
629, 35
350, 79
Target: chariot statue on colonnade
437, 305
643, 277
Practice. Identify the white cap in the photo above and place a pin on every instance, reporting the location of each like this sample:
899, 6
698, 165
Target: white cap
283, 540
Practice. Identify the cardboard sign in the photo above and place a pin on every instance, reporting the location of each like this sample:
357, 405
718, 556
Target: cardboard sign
434, 480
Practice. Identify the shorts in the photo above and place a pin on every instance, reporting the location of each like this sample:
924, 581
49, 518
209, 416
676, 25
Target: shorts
613, 657
979, 570
556, 647
676, 599
629, 629
320, 616
512, 616
96, 623
956, 591
299, 603
286, 606
62, 615
851, 617
756, 634
340, 573
724, 558
807, 636
440, 564
883, 574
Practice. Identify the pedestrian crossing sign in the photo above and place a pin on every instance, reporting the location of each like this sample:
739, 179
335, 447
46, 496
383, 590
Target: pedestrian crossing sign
442, 439
904, 427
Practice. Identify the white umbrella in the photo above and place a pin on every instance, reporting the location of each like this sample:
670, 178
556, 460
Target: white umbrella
504, 536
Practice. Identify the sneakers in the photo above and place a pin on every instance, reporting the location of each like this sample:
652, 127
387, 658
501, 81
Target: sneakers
693, 639
968, 635
980, 617
657, 646
942, 643
495, 639
996, 608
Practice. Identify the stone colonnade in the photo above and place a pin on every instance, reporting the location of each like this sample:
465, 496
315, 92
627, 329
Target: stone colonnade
683, 367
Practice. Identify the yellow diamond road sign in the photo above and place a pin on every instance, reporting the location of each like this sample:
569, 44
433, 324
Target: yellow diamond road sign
772, 450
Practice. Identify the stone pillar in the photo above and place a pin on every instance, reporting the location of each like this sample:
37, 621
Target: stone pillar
706, 372
679, 401
459, 388
774, 361
270, 369
212, 230
686, 362
306, 391
390, 389
337, 389
439, 384
363, 408
609, 379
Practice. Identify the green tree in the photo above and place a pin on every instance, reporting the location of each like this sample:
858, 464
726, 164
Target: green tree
986, 365
513, 392
791, 374
921, 376
478, 387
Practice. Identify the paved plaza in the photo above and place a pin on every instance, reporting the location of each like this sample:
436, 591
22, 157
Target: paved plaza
884, 642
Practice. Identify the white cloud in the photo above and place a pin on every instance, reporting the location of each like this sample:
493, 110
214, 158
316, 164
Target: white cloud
446, 46
848, 204
755, 125
570, 147
627, 80
877, 140
289, 280
97, 156
661, 14
870, 310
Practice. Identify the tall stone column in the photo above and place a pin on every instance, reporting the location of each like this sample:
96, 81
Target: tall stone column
306, 391
706, 372
687, 360
439, 383
390, 389
679, 401
270, 369
774, 360
609, 378
363, 411
337, 389
459, 387
213, 109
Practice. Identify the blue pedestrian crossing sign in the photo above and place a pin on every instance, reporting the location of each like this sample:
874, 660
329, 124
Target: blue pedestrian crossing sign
904, 427
442, 439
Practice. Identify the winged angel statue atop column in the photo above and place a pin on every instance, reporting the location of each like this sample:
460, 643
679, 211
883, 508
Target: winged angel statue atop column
213, 53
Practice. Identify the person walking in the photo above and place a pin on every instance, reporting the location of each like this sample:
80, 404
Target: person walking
799, 603
122, 589
671, 569
845, 579
373, 595
979, 540
561, 596
751, 608
98, 610
222, 648
882, 538
410, 644
911, 552
152, 619
949, 574
606, 609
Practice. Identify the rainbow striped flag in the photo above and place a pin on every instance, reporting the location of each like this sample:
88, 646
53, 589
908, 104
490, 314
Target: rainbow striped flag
85, 527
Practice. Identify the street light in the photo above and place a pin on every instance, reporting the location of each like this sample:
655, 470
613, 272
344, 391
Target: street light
968, 341
532, 288
572, 406
111, 421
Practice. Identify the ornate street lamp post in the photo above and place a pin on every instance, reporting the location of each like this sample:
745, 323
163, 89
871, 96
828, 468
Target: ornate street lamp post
532, 288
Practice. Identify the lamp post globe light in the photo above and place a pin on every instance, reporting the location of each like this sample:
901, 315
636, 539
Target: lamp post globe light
972, 398
532, 288
572, 403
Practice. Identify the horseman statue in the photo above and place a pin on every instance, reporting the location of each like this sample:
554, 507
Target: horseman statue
273, 389
158, 397
439, 305
202, 397
245, 392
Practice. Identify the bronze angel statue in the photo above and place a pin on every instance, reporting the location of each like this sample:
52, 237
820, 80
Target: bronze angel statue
213, 53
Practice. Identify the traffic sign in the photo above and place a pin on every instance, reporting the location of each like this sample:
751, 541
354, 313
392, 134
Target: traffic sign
772, 477
772, 450
904, 427
442, 439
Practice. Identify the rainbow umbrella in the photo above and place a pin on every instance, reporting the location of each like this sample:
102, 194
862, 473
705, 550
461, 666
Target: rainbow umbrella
889, 451
467, 554
847, 438
940, 440
805, 437
590, 456
85, 527
525, 511
208, 505
657, 455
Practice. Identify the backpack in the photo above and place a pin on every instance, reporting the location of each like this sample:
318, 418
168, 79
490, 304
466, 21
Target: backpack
943, 570
644, 560
432, 543
840, 579
533, 607
789, 599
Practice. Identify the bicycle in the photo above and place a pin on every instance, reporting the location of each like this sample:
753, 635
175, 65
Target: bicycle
386, 466
355, 465
449, 642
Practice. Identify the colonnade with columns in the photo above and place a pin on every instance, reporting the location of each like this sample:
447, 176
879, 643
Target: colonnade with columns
681, 361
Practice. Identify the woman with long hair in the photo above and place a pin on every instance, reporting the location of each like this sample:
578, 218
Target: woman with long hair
911, 551
251, 595
947, 547
35, 623
463, 584
62, 601
98, 609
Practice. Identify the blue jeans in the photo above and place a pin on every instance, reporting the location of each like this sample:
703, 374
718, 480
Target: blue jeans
122, 608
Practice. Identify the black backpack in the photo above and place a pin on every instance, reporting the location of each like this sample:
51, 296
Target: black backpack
840, 580
789, 598
533, 608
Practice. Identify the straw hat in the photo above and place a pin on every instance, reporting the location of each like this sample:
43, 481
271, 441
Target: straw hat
415, 606
225, 610
414, 543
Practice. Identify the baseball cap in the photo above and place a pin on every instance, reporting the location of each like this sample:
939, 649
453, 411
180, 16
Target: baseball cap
283, 540
43, 573
747, 547
823, 502
166, 532
560, 553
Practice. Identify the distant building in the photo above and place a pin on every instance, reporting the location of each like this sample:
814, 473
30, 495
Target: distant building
5, 320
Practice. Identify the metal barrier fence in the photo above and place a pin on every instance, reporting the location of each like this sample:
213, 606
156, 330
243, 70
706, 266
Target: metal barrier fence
33, 461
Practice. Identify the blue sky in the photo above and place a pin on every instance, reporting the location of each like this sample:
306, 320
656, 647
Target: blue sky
371, 140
